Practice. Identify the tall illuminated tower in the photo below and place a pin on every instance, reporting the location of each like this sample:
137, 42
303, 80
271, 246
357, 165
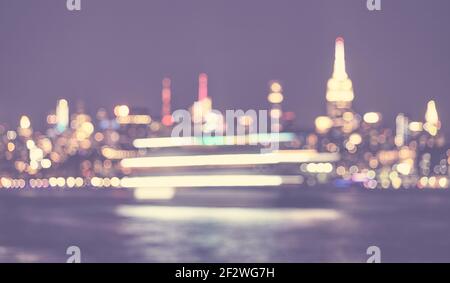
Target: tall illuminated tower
340, 92
62, 115
401, 130
202, 87
166, 94
432, 123
275, 98
203, 105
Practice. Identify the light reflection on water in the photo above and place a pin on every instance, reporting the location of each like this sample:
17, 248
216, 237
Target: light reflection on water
251, 216
224, 234
407, 226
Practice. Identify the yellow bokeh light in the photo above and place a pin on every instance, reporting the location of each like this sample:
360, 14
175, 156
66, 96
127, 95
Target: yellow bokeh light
121, 110
25, 122
275, 97
355, 139
276, 87
11, 146
372, 117
46, 163
443, 182
323, 124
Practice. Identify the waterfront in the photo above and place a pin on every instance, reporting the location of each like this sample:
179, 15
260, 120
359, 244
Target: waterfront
408, 225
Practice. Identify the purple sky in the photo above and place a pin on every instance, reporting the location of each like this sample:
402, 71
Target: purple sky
117, 51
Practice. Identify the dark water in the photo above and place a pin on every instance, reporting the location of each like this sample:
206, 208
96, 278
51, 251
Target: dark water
410, 226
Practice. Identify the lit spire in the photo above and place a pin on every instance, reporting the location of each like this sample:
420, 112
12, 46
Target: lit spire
167, 119
432, 123
339, 71
340, 87
203, 106
202, 86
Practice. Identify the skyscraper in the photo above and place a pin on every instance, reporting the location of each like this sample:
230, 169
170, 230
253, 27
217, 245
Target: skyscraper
275, 98
203, 106
401, 130
166, 115
202, 87
340, 93
62, 115
432, 123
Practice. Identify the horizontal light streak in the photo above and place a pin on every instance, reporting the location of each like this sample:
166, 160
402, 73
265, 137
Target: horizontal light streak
213, 141
154, 193
230, 214
198, 181
297, 156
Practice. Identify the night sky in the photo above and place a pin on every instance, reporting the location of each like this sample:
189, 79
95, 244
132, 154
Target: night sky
118, 51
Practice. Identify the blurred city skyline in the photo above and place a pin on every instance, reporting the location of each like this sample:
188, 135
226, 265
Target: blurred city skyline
127, 178
117, 52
